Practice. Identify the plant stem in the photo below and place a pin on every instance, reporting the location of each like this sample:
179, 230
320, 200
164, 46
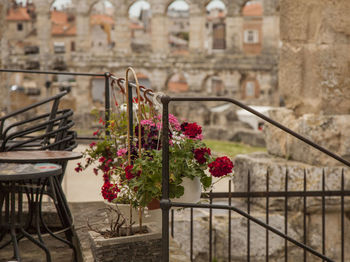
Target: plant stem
140, 219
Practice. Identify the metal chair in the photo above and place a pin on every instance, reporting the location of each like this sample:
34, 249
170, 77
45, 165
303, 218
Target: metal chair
48, 131
38, 133
12, 117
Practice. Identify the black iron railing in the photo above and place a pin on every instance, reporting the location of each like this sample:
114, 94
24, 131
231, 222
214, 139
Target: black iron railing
166, 204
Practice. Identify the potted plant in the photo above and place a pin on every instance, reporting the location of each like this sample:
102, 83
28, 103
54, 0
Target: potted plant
131, 168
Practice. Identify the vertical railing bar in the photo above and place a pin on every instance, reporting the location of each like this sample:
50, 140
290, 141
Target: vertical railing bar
304, 216
165, 203
191, 249
210, 227
107, 103
323, 215
229, 220
172, 223
342, 217
286, 218
248, 222
267, 214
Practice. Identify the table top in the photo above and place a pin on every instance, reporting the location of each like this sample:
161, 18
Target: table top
38, 156
14, 171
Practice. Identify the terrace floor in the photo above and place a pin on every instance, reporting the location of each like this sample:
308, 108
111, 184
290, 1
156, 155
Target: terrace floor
60, 252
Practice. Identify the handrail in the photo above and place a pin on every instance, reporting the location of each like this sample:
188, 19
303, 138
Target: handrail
49, 72
264, 117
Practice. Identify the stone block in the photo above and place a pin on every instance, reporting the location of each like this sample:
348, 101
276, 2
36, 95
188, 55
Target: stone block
258, 164
238, 236
328, 131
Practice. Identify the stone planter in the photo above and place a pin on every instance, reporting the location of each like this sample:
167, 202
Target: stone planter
139, 247
149, 216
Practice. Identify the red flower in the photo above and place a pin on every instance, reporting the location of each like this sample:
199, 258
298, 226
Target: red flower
92, 144
96, 133
221, 166
101, 121
128, 172
109, 191
96, 171
201, 154
78, 168
102, 159
191, 130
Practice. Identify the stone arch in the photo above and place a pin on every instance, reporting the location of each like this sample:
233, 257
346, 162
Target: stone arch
215, 28
54, 4
102, 25
213, 84
246, 3
93, 3
178, 20
140, 26
170, 2
177, 83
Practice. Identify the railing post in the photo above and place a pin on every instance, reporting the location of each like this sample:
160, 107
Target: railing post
107, 102
165, 202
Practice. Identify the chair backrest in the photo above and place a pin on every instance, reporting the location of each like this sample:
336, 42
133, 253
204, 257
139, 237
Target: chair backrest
35, 135
54, 108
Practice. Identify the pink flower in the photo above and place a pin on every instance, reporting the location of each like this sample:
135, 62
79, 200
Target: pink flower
122, 152
174, 122
147, 122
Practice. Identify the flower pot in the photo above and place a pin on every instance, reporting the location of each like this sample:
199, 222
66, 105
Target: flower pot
138, 247
154, 204
193, 190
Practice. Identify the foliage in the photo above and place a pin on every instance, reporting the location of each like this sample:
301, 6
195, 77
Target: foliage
134, 172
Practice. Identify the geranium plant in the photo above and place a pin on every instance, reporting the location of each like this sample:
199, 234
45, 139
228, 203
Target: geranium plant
135, 175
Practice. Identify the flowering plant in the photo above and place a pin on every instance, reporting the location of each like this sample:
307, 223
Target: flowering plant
135, 175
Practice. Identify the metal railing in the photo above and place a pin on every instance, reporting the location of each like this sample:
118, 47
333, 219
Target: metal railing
166, 204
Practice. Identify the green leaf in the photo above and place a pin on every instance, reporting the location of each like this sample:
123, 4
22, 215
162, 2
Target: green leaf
206, 181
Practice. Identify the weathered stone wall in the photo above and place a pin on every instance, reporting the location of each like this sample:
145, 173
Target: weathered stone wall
314, 66
328, 131
232, 65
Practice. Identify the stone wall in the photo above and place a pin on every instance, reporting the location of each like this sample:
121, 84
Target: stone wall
315, 59
231, 65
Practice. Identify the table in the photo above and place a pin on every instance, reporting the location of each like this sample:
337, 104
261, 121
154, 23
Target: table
38, 156
16, 180
55, 189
